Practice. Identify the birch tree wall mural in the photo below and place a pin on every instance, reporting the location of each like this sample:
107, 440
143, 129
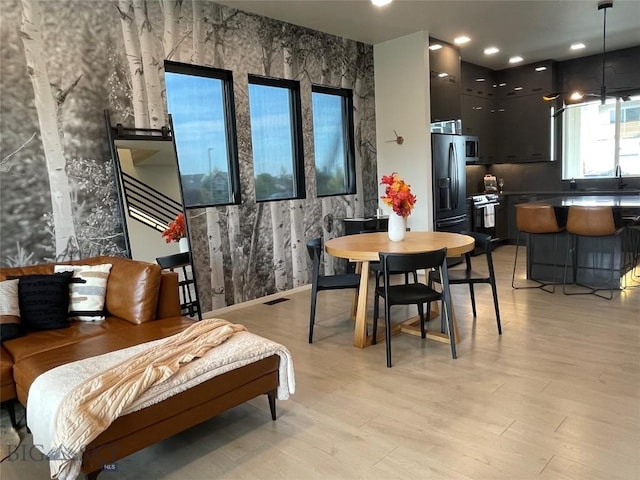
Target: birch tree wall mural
58, 77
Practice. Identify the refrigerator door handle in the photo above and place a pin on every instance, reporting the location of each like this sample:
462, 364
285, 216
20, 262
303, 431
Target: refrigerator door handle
453, 162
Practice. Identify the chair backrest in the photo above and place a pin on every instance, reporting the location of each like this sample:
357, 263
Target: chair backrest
174, 261
536, 218
485, 245
314, 248
408, 262
483, 240
591, 221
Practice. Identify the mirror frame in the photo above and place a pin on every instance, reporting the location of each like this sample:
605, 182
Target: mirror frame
119, 132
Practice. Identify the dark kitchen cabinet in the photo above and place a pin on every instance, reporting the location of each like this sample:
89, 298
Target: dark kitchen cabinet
524, 124
479, 119
506, 111
524, 119
502, 221
478, 109
445, 78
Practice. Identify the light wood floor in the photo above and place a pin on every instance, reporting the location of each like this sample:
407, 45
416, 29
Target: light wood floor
556, 397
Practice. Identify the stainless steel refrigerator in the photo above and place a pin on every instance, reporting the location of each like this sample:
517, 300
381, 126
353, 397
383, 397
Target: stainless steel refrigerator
449, 183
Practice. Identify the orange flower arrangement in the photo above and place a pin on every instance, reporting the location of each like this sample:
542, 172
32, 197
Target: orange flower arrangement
398, 194
176, 230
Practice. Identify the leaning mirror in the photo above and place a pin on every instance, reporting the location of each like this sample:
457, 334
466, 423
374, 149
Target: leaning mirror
149, 190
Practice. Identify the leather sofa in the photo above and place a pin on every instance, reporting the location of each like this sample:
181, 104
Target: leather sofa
142, 304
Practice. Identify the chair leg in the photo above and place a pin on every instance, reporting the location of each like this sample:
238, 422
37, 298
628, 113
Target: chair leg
473, 299
312, 315
541, 285
387, 324
591, 289
449, 320
423, 332
376, 314
494, 290
515, 261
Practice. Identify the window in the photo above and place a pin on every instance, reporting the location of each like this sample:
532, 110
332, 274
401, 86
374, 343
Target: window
599, 138
200, 101
333, 140
276, 135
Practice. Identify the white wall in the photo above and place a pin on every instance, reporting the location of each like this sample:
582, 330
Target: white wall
146, 243
403, 104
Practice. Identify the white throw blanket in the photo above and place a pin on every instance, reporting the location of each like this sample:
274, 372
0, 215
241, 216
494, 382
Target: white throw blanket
50, 391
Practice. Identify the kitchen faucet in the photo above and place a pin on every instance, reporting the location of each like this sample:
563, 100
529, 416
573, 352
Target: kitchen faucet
618, 174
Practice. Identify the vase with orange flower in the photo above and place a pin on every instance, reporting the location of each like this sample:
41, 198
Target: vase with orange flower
398, 196
176, 231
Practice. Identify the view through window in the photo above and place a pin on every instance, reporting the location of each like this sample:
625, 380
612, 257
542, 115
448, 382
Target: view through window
597, 138
276, 136
200, 101
333, 140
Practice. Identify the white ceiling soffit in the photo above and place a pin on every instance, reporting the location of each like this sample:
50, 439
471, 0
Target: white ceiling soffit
535, 30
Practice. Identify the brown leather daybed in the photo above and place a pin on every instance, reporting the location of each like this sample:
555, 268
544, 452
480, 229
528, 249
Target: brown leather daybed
141, 305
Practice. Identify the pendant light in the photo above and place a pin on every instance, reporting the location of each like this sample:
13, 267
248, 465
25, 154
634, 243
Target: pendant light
604, 93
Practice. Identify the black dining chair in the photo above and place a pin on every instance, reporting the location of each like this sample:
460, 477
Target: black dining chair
471, 276
376, 267
413, 293
325, 282
181, 262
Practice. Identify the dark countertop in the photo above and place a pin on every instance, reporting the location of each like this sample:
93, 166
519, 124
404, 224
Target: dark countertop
624, 200
577, 192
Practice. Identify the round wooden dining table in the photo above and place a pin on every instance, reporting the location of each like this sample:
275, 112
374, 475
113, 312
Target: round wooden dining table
366, 247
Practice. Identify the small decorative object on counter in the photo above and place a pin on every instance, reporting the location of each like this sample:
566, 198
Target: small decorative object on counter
399, 197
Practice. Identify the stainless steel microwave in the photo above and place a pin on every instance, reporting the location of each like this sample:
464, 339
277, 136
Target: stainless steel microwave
471, 149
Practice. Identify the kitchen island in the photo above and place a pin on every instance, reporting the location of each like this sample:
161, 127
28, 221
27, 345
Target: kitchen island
542, 253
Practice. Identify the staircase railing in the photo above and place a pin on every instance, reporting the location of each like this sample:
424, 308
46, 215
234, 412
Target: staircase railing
148, 205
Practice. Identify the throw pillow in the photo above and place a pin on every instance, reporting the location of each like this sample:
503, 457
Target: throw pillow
44, 301
86, 299
9, 310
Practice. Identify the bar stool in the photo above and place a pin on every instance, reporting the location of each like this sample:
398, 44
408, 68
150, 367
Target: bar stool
590, 222
632, 250
536, 219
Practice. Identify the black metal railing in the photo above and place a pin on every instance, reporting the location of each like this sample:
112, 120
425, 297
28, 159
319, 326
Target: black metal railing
148, 205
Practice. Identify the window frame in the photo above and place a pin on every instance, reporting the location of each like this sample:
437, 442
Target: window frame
233, 163
348, 129
295, 110
617, 113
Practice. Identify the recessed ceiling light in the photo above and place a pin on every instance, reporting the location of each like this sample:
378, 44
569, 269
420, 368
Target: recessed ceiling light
576, 96
517, 88
577, 46
461, 40
443, 74
435, 46
502, 84
516, 59
480, 79
541, 68
491, 50
381, 3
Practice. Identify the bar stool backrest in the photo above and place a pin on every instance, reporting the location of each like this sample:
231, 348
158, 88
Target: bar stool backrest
591, 221
536, 218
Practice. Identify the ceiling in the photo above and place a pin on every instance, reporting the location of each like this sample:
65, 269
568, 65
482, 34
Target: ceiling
535, 30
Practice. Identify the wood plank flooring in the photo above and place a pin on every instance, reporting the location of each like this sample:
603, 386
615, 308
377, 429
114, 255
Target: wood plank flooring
557, 396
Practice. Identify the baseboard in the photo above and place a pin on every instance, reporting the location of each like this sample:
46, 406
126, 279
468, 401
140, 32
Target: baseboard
255, 301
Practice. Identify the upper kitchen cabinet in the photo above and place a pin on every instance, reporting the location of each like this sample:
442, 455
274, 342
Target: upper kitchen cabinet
445, 77
479, 109
506, 111
523, 119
